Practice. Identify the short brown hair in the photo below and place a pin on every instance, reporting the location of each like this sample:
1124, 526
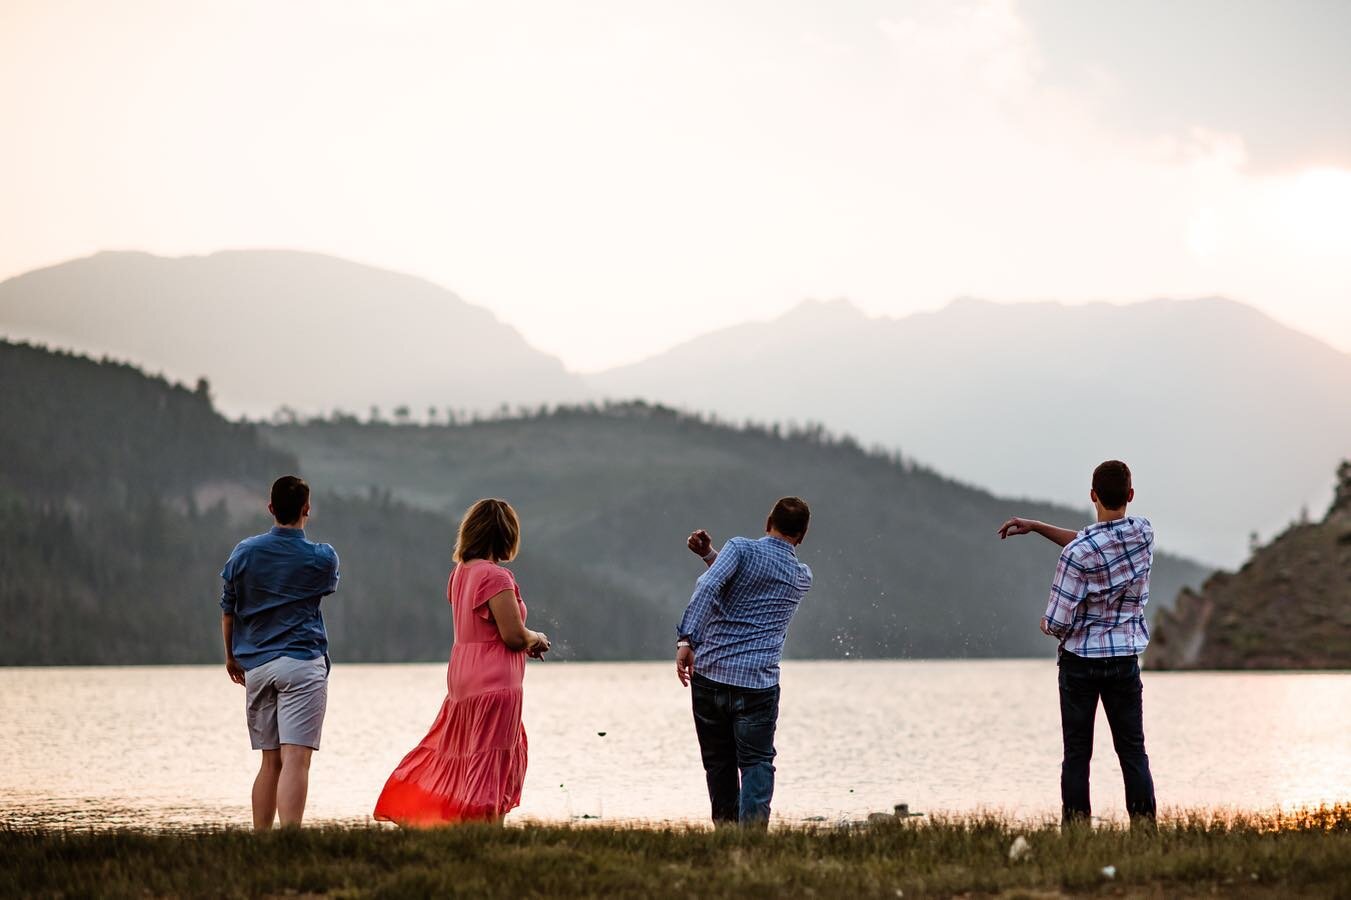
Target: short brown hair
290, 493
790, 516
489, 530
1112, 483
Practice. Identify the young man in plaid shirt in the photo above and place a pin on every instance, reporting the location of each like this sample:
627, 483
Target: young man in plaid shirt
1097, 610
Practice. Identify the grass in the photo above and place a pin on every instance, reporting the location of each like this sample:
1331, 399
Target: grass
1304, 854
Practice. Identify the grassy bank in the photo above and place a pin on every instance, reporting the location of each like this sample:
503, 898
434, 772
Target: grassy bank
1303, 855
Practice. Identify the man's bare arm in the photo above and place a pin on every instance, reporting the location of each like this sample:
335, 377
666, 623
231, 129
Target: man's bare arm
227, 631
1052, 533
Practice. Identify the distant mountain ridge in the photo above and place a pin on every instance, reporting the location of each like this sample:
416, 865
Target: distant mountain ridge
1229, 420
278, 327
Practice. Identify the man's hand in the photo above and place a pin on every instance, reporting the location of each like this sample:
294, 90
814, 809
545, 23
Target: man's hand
234, 669
684, 664
1046, 627
700, 543
1016, 526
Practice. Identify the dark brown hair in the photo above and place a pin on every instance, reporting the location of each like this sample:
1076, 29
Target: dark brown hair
1112, 483
489, 530
790, 516
290, 493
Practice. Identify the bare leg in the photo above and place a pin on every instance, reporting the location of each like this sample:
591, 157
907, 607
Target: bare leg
294, 783
265, 790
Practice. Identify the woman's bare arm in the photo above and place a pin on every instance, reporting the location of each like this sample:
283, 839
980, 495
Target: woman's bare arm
506, 613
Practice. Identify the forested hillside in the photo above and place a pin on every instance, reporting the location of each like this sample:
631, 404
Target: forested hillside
105, 553
122, 494
1288, 607
906, 562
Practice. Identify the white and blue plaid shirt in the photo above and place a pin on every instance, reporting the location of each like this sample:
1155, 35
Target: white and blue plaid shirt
1101, 586
738, 617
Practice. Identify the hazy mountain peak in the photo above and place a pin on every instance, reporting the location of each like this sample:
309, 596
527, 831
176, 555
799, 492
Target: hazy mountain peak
813, 311
349, 335
1228, 417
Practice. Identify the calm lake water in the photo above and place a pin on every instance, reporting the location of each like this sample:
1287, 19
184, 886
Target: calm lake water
166, 746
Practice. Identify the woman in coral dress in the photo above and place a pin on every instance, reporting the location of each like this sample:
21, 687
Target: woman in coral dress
471, 765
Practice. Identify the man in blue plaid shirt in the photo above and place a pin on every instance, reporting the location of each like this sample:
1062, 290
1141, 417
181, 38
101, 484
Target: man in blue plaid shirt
733, 632
1097, 610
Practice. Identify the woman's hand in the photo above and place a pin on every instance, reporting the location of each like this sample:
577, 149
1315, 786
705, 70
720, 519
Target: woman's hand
538, 646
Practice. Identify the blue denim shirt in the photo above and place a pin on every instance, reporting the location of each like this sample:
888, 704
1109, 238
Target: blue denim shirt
273, 583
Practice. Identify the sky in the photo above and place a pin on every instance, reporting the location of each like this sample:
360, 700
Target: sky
612, 178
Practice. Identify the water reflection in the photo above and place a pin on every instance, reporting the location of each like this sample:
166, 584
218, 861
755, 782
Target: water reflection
166, 746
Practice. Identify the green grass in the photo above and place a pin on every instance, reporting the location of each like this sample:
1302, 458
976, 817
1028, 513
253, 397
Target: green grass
1307, 854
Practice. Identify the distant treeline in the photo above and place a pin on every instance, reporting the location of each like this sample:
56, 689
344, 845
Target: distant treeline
405, 417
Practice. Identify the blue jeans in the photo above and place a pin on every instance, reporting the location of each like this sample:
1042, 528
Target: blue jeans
1116, 681
736, 739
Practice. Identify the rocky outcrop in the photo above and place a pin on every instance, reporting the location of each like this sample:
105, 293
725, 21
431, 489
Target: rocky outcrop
1289, 607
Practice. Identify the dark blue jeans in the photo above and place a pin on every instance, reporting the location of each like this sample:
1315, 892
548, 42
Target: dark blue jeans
736, 739
1116, 681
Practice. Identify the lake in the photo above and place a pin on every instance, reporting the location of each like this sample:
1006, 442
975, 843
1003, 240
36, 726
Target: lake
167, 747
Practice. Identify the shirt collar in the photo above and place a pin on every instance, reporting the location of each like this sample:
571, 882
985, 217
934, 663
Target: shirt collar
781, 542
1110, 523
283, 531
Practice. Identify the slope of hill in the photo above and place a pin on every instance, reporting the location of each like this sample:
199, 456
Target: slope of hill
1230, 421
906, 562
1289, 607
272, 327
121, 495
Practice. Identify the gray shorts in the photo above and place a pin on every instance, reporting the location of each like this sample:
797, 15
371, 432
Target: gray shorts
285, 700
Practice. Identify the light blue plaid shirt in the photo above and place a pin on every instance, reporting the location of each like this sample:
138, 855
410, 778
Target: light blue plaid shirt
738, 617
1101, 587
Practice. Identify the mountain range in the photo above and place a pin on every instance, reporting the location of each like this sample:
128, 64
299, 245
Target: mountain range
1230, 421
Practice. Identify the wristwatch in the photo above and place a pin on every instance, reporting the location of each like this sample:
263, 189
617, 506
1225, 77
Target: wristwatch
684, 642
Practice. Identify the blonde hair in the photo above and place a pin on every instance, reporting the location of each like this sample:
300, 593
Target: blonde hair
489, 530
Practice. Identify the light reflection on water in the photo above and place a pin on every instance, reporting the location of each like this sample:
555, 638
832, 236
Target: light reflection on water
166, 746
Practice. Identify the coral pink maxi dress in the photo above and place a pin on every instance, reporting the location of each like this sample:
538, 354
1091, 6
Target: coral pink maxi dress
471, 765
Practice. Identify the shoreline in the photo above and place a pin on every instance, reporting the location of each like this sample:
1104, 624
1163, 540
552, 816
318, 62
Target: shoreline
1195, 853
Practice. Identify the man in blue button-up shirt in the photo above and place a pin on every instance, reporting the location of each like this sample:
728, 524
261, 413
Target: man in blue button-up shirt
727, 651
275, 645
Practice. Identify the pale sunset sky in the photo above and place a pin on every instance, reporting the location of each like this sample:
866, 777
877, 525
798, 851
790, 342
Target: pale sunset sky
614, 177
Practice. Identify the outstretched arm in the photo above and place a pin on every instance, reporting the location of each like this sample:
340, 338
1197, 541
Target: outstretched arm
1056, 535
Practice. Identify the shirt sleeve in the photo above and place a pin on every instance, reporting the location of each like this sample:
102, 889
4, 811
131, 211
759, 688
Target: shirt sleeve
707, 590
228, 597
495, 581
332, 557
1069, 588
